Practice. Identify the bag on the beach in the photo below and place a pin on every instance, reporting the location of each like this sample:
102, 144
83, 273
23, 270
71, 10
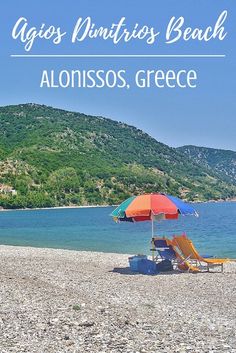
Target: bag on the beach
164, 265
147, 267
134, 260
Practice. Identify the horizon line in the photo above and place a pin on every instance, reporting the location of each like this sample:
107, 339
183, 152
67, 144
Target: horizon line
117, 55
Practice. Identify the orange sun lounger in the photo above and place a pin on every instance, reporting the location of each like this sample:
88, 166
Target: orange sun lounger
189, 251
167, 250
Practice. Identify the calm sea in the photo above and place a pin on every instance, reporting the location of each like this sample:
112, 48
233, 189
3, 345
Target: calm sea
214, 232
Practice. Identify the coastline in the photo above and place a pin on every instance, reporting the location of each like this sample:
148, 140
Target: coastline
98, 206
55, 208
55, 300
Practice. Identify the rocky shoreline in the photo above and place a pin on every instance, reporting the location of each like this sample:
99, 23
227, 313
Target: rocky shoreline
56, 301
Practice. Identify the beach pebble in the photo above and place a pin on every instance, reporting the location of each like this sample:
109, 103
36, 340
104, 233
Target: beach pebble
67, 302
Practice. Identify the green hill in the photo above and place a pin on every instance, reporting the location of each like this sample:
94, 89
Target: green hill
220, 162
51, 157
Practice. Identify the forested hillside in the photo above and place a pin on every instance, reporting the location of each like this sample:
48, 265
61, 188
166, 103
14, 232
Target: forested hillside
51, 157
221, 162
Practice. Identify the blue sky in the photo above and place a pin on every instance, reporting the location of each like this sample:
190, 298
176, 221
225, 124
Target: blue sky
203, 116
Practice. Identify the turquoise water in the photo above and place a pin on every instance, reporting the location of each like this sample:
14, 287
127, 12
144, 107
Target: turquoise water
214, 232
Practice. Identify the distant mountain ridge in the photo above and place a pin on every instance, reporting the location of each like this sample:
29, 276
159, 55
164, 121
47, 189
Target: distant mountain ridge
221, 162
52, 157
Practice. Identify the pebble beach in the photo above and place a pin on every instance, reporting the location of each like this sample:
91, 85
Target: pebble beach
56, 301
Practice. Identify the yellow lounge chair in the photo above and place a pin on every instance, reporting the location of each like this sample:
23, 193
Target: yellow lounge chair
183, 263
188, 250
167, 250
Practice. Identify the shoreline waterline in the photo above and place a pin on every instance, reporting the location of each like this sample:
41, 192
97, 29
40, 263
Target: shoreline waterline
94, 252
93, 229
29, 248
56, 208
100, 206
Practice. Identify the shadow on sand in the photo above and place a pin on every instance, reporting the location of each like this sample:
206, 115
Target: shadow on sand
127, 271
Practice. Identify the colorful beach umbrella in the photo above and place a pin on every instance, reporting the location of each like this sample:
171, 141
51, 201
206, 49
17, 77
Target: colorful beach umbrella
151, 207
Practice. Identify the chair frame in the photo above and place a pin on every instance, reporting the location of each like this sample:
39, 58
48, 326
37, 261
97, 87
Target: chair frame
198, 261
175, 262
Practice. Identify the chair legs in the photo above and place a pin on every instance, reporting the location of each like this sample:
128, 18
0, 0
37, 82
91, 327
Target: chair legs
209, 266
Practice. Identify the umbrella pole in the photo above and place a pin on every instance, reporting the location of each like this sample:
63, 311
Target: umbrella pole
153, 247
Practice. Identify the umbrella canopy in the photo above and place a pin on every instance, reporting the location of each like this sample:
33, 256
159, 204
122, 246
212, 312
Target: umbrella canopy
152, 207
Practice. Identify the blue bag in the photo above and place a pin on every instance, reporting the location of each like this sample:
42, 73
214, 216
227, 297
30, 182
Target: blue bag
164, 265
147, 267
134, 260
